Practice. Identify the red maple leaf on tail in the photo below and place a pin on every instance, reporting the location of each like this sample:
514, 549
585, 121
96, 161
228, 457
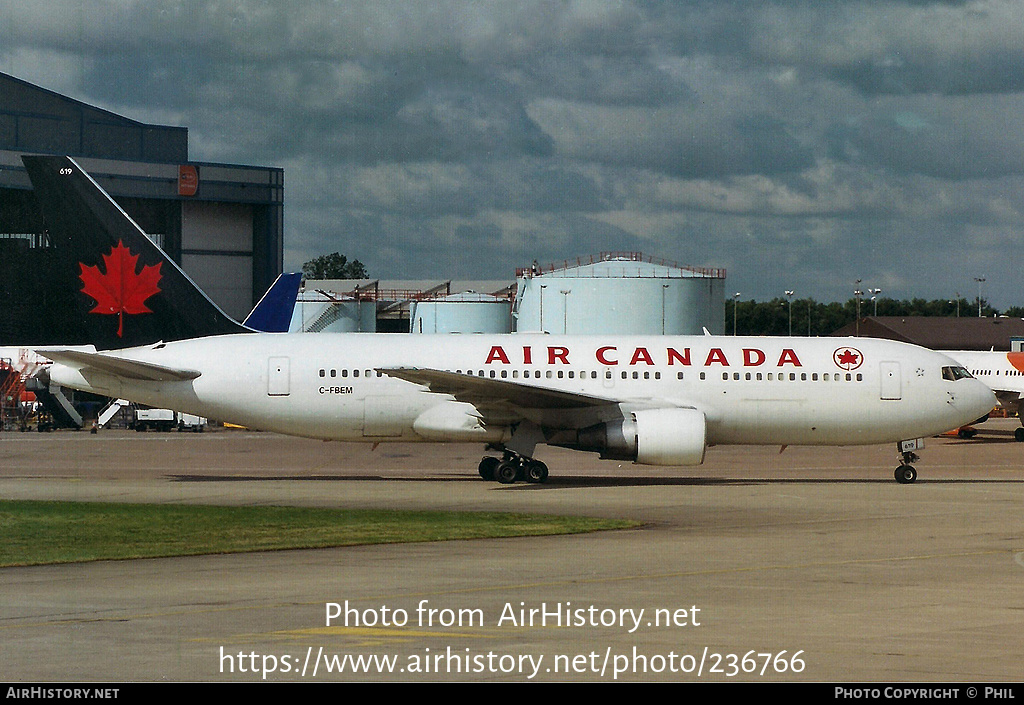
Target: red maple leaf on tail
120, 289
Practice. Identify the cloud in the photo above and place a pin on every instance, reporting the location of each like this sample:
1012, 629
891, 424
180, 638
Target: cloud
812, 142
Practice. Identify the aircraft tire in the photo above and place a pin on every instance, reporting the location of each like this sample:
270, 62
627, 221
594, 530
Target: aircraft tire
506, 472
905, 474
536, 472
488, 464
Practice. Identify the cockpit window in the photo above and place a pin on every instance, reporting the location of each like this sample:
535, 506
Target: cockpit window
955, 373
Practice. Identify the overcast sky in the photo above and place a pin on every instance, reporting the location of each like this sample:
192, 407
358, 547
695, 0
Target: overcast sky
799, 145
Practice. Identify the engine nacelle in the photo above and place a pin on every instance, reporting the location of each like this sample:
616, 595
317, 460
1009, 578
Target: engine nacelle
651, 437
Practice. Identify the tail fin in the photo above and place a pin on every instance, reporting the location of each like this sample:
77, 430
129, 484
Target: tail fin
129, 291
273, 314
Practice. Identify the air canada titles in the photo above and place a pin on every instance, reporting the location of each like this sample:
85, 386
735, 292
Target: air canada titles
612, 355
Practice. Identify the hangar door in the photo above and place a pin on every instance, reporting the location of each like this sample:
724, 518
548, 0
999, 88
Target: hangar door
892, 384
278, 373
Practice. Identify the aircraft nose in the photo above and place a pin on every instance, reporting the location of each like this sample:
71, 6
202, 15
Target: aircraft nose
979, 399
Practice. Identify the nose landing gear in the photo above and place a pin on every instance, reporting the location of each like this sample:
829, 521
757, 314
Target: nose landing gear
906, 473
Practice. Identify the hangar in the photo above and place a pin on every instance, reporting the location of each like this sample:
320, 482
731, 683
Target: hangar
222, 223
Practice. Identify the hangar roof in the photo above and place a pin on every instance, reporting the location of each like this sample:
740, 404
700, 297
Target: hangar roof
941, 333
34, 119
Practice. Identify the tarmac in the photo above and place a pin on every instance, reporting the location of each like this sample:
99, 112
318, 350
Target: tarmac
811, 564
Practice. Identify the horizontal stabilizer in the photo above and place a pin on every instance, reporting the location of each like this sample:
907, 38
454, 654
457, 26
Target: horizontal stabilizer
118, 366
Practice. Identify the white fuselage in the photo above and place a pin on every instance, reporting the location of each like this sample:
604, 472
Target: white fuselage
1002, 372
800, 391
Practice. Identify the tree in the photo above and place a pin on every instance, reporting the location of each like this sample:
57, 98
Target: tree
334, 266
772, 317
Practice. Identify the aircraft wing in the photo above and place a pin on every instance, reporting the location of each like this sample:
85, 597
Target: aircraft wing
487, 392
118, 366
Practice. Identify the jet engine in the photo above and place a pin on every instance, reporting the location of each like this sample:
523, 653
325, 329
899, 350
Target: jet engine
650, 437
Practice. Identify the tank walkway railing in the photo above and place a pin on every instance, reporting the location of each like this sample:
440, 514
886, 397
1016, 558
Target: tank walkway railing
537, 269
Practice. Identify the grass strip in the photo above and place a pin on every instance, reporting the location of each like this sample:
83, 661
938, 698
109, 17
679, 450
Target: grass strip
36, 533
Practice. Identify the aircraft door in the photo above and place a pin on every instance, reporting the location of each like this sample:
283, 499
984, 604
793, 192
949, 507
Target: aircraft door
278, 377
892, 383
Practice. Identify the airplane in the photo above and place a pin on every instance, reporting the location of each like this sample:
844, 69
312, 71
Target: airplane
1002, 372
653, 400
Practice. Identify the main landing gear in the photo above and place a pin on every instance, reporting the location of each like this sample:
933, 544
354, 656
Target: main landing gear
511, 467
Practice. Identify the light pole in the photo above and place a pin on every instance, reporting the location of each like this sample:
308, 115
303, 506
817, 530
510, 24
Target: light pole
664, 288
789, 294
874, 297
735, 300
542, 288
565, 310
980, 281
857, 293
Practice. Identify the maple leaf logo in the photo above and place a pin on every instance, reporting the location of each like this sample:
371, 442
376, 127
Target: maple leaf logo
848, 358
120, 289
